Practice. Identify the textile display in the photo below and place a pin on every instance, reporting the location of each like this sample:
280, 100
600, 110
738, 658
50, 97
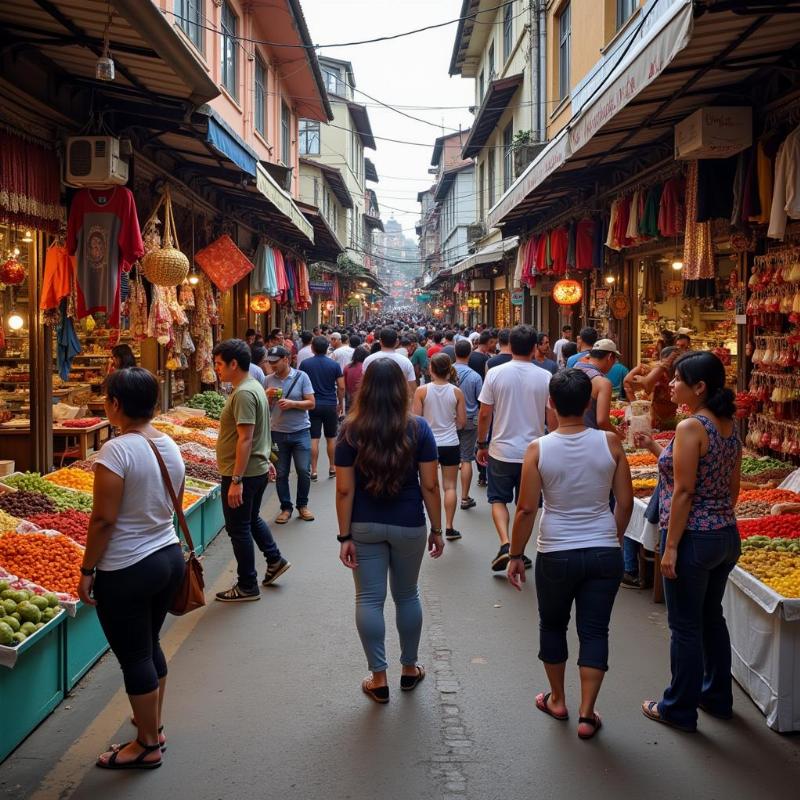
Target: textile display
786, 191
59, 268
67, 344
223, 262
698, 249
262, 278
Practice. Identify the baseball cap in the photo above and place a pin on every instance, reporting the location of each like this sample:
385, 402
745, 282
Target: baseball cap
277, 353
607, 346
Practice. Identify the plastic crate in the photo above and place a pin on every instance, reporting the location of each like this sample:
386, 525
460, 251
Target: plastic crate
194, 519
34, 687
213, 518
85, 643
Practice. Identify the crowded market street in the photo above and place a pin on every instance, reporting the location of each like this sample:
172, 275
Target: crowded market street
264, 699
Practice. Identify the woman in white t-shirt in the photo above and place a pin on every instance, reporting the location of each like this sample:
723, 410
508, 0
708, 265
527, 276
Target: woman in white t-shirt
579, 555
442, 404
133, 564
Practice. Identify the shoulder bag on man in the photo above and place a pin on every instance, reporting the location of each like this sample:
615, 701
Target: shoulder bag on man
273, 453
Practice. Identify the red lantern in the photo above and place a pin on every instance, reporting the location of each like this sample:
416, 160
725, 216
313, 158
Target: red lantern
330, 305
260, 304
567, 293
12, 273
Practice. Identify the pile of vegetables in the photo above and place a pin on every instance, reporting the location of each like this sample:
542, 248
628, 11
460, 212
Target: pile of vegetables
72, 478
22, 504
641, 459
52, 561
74, 524
211, 402
780, 526
62, 498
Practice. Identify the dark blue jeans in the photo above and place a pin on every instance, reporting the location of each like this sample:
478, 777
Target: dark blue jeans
590, 577
700, 649
245, 526
293, 447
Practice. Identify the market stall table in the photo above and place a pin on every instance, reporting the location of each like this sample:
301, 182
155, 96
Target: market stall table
89, 439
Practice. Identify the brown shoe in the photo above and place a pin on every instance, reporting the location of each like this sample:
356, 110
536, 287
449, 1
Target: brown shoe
305, 514
283, 517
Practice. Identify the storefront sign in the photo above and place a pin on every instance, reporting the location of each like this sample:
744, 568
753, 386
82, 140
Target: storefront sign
321, 287
423, 298
517, 297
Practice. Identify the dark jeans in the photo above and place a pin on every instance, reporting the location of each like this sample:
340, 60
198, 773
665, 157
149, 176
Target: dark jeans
590, 577
245, 526
700, 649
132, 604
293, 446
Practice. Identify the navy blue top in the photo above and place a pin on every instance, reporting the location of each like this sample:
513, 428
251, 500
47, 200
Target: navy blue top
404, 508
323, 372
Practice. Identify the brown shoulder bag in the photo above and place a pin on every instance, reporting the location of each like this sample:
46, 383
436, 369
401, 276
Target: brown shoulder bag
190, 593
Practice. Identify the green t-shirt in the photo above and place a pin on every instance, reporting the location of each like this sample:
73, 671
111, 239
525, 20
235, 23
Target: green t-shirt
419, 358
246, 405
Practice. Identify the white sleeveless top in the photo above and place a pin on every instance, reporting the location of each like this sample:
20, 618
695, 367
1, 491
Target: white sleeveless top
577, 475
439, 410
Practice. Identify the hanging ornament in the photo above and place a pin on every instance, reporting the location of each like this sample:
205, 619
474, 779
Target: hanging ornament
260, 303
12, 273
567, 292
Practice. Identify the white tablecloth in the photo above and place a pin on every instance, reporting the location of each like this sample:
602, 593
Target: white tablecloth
639, 529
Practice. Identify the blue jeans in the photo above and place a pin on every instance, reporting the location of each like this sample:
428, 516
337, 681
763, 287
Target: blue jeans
293, 446
590, 577
394, 551
245, 526
630, 552
700, 648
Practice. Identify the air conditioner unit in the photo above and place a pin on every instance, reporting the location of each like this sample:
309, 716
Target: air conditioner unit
95, 161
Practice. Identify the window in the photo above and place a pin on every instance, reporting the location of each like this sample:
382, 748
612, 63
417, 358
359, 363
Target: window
189, 16
286, 139
261, 97
333, 83
309, 137
229, 29
481, 190
491, 177
564, 47
491, 61
508, 18
625, 9
508, 156
480, 88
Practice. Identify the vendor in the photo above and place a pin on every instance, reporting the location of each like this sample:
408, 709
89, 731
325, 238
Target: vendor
122, 357
655, 383
683, 341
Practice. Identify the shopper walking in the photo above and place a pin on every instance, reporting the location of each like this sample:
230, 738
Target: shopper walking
504, 349
514, 402
586, 339
541, 355
483, 352
470, 384
388, 343
243, 448
600, 359
566, 336
353, 375
290, 395
328, 382
386, 464
441, 403
699, 472
305, 347
133, 564
578, 549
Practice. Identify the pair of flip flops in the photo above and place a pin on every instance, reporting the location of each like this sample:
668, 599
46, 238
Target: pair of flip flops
594, 722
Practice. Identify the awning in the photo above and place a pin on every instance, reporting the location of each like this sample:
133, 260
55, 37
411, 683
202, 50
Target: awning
495, 102
326, 243
670, 64
446, 181
266, 184
226, 142
491, 254
370, 173
363, 127
375, 223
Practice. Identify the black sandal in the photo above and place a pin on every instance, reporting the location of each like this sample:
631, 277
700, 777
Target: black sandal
595, 722
162, 745
409, 682
137, 763
468, 502
380, 694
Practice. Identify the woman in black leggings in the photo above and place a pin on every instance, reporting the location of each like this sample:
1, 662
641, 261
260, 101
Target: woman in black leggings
133, 564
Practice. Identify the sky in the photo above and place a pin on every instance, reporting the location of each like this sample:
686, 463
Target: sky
411, 71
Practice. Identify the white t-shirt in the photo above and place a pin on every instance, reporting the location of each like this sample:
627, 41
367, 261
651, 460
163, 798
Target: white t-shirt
518, 391
557, 351
400, 358
343, 355
144, 522
304, 353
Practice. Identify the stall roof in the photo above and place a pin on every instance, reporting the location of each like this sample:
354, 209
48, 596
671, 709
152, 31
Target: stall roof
334, 179
491, 254
684, 61
494, 103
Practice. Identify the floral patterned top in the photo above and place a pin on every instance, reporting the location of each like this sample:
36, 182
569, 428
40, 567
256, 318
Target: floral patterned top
712, 507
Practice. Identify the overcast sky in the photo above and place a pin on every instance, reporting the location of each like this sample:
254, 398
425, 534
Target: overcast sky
411, 71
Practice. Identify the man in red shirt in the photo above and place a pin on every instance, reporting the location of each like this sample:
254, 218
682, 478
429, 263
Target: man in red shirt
437, 344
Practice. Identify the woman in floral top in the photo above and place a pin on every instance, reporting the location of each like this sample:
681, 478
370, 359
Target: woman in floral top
699, 484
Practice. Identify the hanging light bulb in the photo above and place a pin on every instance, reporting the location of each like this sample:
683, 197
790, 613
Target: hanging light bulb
677, 264
104, 68
15, 251
194, 278
28, 237
610, 279
15, 321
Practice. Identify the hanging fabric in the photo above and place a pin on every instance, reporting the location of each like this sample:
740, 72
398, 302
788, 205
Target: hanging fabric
648, 221
584, 244
786, 189
671, 208
698, 250
59, 269
763, 164
611, 239
715, 188
67, 344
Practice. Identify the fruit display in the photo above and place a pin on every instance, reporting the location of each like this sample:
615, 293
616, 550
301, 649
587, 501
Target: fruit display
50, 560
189, 499
170, 428
23, 612
72, 478
780, 526
747, 509
84, 422
641, 459
211, 402
200, 423
199, 454
7, 522
198, 486
193, 437
770, 496
74, 524
778, 569
87, 465
643, 487
61, 497
22, 504
203, 472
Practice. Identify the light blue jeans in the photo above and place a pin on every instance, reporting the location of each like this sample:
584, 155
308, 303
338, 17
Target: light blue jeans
395, 552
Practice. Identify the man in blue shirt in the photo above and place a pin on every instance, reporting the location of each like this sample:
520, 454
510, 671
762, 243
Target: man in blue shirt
328, 382
616, 375
586, 339
290, 430
470, 383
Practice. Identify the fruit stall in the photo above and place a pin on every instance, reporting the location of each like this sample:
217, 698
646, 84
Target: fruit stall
48, 638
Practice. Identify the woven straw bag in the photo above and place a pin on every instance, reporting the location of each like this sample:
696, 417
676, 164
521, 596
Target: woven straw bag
167, 266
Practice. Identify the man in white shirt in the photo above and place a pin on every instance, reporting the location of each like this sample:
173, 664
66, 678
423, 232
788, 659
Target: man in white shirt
566, 336
305, 351
343, 353
388, 338
514, 401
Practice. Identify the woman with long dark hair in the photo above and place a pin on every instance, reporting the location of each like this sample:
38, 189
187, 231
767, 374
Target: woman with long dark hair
386, 462
353, 373
698, 489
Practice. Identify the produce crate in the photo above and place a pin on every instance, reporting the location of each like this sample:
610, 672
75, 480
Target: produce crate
35, 685
85, 642
194, 519
213, 519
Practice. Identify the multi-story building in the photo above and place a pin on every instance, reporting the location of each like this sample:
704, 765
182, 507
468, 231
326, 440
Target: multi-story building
427, 229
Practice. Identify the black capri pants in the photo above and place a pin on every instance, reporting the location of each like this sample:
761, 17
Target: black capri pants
132, 604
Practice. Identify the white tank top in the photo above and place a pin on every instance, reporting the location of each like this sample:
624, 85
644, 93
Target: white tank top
439, 410
577, 475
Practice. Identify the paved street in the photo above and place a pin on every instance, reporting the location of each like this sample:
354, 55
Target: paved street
264, 700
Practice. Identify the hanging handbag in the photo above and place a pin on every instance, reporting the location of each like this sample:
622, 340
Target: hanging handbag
190, 593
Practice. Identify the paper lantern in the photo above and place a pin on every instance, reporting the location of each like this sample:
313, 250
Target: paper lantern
567, 293
12, 273
260, 303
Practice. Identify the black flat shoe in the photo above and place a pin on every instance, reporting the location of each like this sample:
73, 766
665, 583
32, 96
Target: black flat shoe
379, 694
409, 682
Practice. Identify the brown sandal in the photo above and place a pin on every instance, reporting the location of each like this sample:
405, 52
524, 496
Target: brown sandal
409, 682
305, 515
380, 694
650, 710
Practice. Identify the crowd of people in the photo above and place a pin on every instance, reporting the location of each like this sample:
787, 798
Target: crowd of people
406, 408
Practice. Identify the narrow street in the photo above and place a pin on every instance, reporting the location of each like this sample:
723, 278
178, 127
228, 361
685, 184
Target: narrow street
264, 699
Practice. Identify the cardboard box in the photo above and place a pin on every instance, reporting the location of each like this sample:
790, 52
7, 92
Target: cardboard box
714, 132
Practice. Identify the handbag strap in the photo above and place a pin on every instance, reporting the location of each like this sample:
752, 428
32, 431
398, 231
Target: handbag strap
293, 383
170, 489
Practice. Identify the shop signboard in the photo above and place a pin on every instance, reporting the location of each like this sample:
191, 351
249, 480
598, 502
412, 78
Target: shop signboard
424, 297
321, 287
517, 297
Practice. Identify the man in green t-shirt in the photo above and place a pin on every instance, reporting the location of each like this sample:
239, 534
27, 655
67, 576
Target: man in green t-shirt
243, 449
418, 357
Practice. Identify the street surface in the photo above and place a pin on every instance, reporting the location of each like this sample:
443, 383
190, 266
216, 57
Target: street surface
264, 699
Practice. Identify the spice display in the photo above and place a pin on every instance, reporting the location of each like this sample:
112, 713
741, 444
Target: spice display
778, 526
200, 423
752, 508
62, 498
52, 561
641, 459
74, 524
205, 472
189, 499
7, 522
770, 496
22, 504
73, 479
196, 452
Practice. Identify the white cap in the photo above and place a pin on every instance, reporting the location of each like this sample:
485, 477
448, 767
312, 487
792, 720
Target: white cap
607, 346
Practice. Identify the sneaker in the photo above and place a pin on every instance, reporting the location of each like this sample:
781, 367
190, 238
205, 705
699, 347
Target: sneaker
451, 534
237, 595
630, 581
274, 571
501, 559
527, 562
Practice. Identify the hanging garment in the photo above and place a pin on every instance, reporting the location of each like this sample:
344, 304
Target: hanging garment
715, 188
598, 241
559, 244
59, 267
571, 244
621, 229
280, 275
103, 234
652, 283
698, 250
632, 231
611, 240
786, 191
67, 344
648, 222
671, 208
584, 244
520, 262
304, 292
742, 164
763, 165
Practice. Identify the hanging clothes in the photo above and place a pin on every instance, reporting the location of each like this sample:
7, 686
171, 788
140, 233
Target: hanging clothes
572, 244
671, 208
764, 184
652, 283
698, 250
559, 244
648, 221
715, 188
632, 231
739, 178
786, 189
259, 277
59, 268
280, 275
584, 244
67, 344
621, 228
303, 291
611, 239
598, 242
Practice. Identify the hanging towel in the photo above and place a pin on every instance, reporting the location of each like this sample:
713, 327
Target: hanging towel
67, 344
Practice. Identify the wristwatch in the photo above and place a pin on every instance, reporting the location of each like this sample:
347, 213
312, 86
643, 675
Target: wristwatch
87, 572
483, 445
237, 479
346, 538
518, 557
436, 531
